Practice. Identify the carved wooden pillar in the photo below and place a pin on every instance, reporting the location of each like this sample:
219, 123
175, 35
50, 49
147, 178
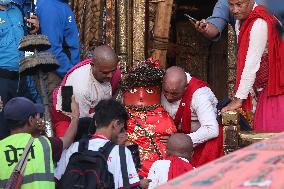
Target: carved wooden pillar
232, 59
138, 30
110, 23
161, 30
121, 32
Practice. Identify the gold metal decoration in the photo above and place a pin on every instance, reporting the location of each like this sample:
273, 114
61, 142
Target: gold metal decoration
122, 34
247, 138
138, 30
110, 23
231, 131
230, 118
232, 61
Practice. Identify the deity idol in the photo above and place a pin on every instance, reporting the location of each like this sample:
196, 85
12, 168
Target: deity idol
148, 120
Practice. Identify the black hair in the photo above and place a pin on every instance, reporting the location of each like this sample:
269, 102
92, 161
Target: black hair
16, 124
143, 75
108, 111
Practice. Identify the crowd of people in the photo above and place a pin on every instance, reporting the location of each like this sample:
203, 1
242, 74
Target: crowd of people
158, 125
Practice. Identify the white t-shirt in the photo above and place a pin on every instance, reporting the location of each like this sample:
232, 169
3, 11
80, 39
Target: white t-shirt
87, 90
113, 162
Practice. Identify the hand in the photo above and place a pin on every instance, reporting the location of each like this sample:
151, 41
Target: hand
75, 113
122, 139
207, 29
164, 139
235, 104
144, 183
201, 26
34, 21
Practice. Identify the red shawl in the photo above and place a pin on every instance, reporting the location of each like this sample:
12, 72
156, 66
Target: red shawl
177, 167
183, 112
275, 84
209, 150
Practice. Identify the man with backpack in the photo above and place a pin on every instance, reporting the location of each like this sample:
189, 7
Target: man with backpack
99, 162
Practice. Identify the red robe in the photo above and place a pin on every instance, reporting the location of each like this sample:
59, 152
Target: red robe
177, 167
157, 123
275, 80
209, 150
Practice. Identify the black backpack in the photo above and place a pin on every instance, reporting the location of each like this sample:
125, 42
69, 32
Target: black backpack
88, 169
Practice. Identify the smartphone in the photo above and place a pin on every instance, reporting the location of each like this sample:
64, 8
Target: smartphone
66, 93
134, 149
191, 18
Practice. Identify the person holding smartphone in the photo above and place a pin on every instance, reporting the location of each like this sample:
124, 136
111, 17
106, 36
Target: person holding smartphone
259, 66
90, 80
213, 26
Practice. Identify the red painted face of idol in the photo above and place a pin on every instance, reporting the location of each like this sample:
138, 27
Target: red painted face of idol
142, 96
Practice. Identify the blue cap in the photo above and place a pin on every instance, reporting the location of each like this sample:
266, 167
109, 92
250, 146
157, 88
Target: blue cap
20, 108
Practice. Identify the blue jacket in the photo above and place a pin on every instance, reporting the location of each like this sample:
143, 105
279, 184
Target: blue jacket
11, 32
221, 15
57, 22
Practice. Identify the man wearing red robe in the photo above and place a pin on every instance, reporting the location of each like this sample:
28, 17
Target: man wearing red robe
193, 106
148, 121
260, 65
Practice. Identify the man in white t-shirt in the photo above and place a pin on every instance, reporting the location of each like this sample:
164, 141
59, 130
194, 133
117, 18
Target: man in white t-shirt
110, 120
90, 80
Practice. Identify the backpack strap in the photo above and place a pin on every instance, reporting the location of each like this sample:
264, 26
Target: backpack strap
124, 171
107, 148
83, 144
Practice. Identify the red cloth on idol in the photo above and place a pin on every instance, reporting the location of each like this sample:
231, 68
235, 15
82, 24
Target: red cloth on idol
209, 150
158, 123
275, 84
177, 167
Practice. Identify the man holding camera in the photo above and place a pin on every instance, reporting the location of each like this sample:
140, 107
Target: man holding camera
11, 32
91, 83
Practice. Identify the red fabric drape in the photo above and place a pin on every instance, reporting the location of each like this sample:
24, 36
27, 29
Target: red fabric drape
184, 112
275, 79
209, 150
177, 167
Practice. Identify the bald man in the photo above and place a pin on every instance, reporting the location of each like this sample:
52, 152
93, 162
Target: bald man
91, 83
179, 151
193, 106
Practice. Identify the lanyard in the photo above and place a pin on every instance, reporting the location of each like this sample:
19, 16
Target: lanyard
99, 136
